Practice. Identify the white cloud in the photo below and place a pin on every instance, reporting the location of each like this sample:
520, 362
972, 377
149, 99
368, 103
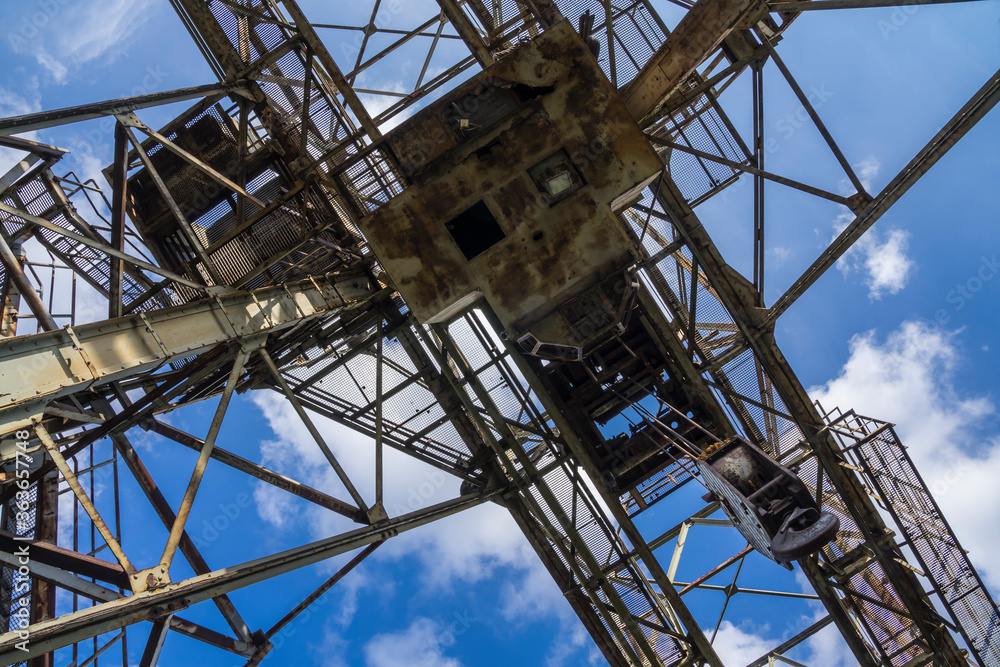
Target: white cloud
329, 651
867, 170
881, 257
350, 589
423, 644
14, 103
464, 547
376, 104
828, 647
537, 597
912, 379
18, 104
474, 545
64, 37
886, 262
737, 646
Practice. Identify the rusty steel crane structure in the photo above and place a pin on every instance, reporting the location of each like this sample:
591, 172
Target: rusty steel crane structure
512, 267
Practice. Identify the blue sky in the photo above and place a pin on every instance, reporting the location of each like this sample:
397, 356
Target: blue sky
887, 332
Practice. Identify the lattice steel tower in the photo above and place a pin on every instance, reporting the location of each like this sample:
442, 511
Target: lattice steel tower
484, 286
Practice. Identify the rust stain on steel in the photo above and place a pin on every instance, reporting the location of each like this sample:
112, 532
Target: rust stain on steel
547, 107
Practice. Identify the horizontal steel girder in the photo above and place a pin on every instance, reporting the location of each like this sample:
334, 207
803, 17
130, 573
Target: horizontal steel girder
93, 621
37, 369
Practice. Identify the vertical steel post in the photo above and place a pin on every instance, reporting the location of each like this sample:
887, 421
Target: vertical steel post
378, 414
85, 501
12, 265
119, 186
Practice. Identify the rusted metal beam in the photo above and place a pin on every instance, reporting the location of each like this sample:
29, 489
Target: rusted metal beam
464, 26
154, 644
269, 476
61, 578
93, 621
119, 188
323, 588
804, 5
96, 354
131, 120
47, 119
167, 516
738, 301
695, 38
814, 115
40, 149
187, 502
64, 559
716, 570
960, 124
102, 247
313, 431
12, 266
88, 505
182, 222
125, 418
211, 637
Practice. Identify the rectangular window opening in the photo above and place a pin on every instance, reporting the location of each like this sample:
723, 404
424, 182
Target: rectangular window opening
475, 230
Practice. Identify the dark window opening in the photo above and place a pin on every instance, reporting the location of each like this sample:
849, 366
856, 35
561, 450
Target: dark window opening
475, 230
527, 93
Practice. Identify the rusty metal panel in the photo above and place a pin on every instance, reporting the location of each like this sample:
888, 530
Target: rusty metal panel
516, 176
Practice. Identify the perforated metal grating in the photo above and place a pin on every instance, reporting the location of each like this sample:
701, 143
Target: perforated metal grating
891, 473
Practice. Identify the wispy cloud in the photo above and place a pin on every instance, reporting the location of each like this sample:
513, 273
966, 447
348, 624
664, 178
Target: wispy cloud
64, 37
778, 255
866, 171
18, 103
423, 644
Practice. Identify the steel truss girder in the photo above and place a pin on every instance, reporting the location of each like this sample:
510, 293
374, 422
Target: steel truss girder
958, 126
587, 568
738, 293
698, 35
47, 119
738, 301
50, 365
94, 621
